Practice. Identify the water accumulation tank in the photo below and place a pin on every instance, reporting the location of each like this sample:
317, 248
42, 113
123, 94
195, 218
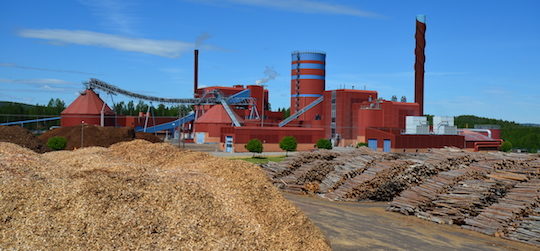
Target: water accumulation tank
307, 82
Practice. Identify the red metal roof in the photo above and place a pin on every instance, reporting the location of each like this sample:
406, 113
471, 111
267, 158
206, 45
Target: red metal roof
87, 103
475, 136
216, 114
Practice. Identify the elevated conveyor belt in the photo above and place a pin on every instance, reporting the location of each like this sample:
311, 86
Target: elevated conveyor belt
230, 112
98, 84
29, 121
170, 125
300, 112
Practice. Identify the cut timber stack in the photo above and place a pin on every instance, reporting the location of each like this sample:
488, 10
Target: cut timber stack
493, 193
410, 201
527, 229
349, 189
464, 200
494, 219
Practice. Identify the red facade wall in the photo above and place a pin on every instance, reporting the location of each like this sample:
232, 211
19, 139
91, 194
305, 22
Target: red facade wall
387, 114
404, 141
495, 133
213, 129
92, 119
347, 107
380, 136
241, 135
429, 141
135, 121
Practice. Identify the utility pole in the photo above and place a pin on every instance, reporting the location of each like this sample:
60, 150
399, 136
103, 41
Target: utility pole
82, 134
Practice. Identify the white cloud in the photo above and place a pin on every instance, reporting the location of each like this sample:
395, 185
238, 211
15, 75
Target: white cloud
43, 69
305, 6
36, 81
112, 13
164, 48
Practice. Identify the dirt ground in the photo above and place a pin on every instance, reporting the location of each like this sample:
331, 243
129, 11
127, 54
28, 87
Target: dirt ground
367, 226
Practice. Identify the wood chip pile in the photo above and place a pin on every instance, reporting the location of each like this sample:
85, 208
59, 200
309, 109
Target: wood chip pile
138, 195
90, 135
493, 193
23, 137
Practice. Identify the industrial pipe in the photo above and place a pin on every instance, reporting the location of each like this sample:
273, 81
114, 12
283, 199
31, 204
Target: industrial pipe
420, 59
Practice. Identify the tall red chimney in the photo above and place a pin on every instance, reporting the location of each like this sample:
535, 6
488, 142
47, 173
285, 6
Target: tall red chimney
419, 61
195, 71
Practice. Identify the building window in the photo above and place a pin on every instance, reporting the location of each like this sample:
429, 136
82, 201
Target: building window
318, 117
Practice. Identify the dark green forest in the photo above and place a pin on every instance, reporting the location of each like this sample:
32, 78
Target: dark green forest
12, 111
521, 136
132, 109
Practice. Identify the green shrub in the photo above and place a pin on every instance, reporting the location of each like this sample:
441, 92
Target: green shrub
360, 144
288, 144
506, 146
324, 144
254, 146
57, 143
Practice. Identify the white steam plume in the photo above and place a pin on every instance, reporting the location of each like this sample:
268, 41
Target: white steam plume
200, 39
269, 73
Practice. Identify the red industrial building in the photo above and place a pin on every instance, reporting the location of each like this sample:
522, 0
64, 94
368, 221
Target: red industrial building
88, 108
345, 116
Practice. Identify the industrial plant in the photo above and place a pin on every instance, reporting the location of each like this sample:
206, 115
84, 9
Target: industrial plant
116, 176
232, 115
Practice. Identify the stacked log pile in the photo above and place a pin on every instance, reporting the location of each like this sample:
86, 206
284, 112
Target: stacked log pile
495, 219
464, 200
528, 228
417, 173
492, 193
411, 201
349, 190
349, 168
295, 172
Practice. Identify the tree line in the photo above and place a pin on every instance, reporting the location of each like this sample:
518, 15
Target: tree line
161, 110
286, 112
520, 136
13, 111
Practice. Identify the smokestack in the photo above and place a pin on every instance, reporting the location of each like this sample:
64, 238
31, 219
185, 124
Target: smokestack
195, 71
419, 61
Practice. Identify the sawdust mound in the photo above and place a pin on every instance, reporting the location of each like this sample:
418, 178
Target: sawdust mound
23, 137
91, 135
148, 137
138, 195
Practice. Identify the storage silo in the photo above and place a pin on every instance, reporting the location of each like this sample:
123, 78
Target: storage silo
307, 83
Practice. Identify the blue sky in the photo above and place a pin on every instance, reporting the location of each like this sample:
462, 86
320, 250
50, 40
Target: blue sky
483, 57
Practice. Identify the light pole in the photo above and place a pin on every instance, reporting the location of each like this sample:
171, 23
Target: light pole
82, 134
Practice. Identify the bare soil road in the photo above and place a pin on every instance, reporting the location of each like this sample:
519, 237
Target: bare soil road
367, 226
